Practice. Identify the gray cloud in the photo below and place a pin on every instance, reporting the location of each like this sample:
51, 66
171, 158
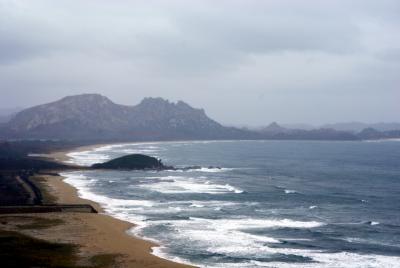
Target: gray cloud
245, 62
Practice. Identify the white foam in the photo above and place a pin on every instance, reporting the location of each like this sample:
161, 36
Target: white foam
231, 237
290, 191
230, 242
176, 208
369, 241
161, 252
214, 205
197, 205
86, 158
227, 232
312, 207
211, 170
114, 206
199, 234
176, 185
202, 169
320, 259
374, 223
248, 223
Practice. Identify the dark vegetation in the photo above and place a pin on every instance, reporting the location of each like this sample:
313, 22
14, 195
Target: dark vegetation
29, 222
16, 188
18, 185
40, 223
47, 208
20, 250
16, 167
133, 161
26, 163
141, 162
14, 155
22, 148
11, 191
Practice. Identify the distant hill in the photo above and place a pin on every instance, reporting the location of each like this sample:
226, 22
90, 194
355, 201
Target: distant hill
373, 134
276, 131
358, 126
274, 128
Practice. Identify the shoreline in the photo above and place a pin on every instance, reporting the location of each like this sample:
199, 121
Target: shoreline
104, 233
62, 155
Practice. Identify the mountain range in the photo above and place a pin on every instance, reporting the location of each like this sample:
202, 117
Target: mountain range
359, 126
95, 117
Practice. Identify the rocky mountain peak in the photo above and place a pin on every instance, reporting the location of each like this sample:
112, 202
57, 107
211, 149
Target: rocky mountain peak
89, 99
80, 109
160, 102
154, 101
274, 127
163, 107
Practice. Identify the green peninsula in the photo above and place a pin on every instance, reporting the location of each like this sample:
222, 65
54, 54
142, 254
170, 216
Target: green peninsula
132, 162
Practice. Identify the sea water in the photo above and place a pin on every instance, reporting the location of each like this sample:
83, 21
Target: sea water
261, 204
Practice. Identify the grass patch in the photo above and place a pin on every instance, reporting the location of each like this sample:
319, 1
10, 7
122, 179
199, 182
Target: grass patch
20, 251
40, 223
104, 260
29, 222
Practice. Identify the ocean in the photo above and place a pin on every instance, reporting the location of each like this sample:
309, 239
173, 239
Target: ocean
257, 203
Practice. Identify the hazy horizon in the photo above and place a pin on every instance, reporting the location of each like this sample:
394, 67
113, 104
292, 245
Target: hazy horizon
245, 62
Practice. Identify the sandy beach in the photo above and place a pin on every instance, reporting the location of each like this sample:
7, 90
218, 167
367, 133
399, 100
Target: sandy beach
98, 233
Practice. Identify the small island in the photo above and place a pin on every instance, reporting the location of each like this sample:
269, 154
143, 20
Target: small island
133, 162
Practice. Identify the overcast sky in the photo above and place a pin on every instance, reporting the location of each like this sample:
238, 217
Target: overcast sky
245, 62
